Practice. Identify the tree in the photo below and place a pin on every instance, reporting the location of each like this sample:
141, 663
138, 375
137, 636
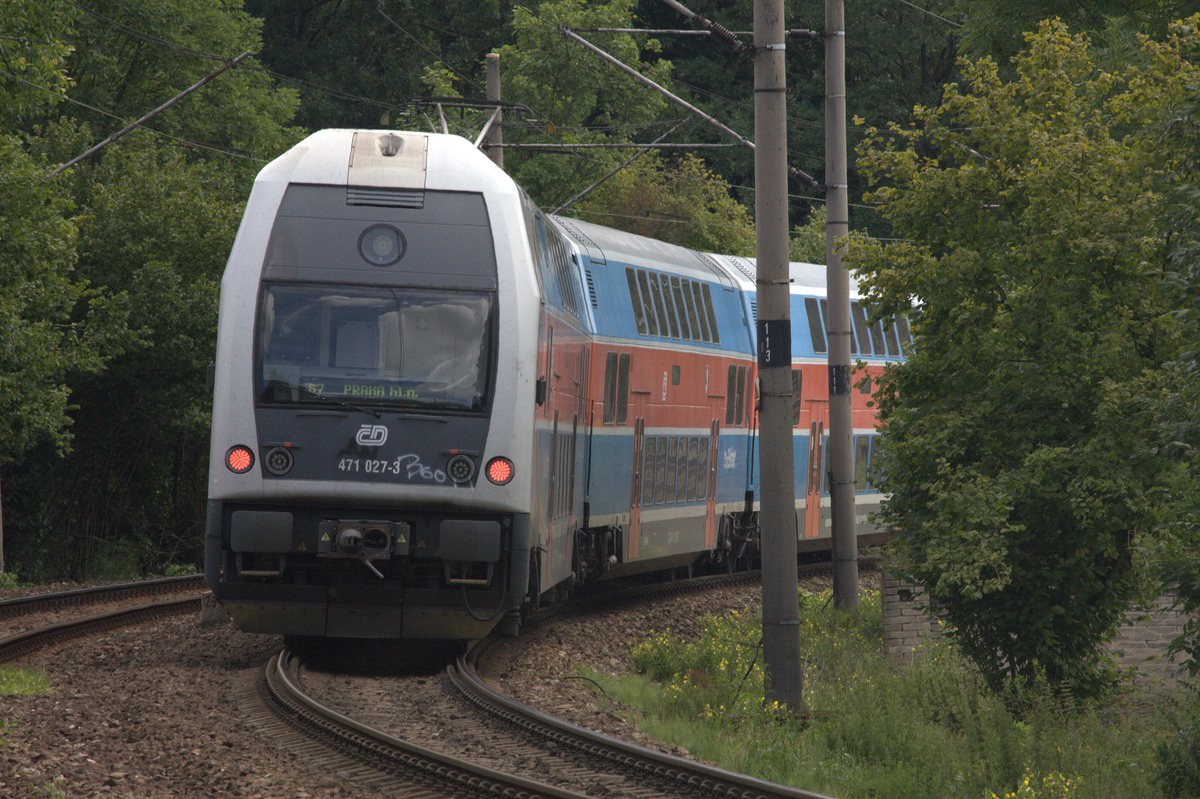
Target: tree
680, 201
137, 235
1014, 455
886, 75
996, 27
359, 64
1178, 550
576, 97
32, 51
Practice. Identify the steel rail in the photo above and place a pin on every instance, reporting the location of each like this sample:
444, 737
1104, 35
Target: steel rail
24, 643
429, 769
676, 774
115, 592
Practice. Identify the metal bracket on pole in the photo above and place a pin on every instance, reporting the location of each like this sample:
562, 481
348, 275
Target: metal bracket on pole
487, 126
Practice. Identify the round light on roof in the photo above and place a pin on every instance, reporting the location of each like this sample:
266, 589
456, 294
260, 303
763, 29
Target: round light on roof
381, 245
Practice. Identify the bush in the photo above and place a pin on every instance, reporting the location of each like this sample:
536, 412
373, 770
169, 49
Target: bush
1178, 757
929, 729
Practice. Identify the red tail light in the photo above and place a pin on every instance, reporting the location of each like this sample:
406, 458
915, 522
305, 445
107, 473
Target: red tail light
239, 459
499, 470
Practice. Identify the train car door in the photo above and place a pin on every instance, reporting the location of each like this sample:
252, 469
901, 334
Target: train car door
812, 491
635, 490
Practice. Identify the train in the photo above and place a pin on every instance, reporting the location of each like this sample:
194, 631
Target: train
436, 406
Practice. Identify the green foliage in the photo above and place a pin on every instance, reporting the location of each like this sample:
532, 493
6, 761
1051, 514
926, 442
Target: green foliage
682, 202
111, 273
928, 729
157, 228
887, 74
360, 64
995, 27
52, 325
1178, 757
576, 97
1177, 549
32, 50
1044, 786
807, 243
1018, 474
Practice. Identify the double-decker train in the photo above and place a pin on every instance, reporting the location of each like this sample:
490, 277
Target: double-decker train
436, 405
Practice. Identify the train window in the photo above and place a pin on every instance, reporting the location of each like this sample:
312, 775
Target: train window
740, 414
864, 387
816, 330
563, 272
660, 470
681, 480
689, 300
696, 305
905, 334
674, 375
712, 317
893, 344
412, 348
859, 314
635, 297
685, 329
797, 395
730, 393
873, 464
824, 465
689, 492
622, 387
665, 284
672, 467
877, 339
862, 453
660, 307
648, 302
610, 388
648, 470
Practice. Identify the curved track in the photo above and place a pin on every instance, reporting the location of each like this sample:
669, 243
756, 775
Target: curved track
23, 643
594, 762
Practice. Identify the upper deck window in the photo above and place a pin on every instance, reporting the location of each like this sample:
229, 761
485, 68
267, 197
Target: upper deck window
669, 306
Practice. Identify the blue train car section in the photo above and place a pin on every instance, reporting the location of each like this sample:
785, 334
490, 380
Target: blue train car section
436, 406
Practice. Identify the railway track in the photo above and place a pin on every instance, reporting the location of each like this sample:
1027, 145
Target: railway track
175, 596
564, 760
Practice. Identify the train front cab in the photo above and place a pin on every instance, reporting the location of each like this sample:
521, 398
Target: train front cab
366, 480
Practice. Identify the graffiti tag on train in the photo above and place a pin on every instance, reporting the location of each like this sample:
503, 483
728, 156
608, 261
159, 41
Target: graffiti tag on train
409, 466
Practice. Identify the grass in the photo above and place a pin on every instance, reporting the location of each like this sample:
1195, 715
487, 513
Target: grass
875, 728
23, 682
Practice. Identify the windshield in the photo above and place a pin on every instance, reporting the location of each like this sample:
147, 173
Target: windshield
373, 346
